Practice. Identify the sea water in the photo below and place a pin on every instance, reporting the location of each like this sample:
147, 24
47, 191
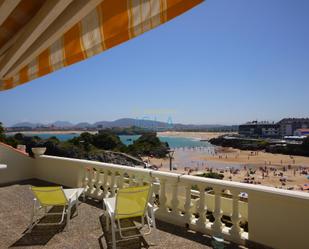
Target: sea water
173, 142
183, 147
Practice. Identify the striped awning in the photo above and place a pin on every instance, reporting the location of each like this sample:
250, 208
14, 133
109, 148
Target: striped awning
38, 37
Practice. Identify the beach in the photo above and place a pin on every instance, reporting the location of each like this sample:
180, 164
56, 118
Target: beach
254, 167
194, 135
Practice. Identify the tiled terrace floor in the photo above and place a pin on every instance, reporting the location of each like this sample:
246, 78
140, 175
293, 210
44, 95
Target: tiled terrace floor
86, 229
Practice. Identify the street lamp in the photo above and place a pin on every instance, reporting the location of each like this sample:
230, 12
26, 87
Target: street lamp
170, 155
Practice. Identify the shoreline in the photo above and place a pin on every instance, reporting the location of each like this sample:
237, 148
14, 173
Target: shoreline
193, 134
274, 170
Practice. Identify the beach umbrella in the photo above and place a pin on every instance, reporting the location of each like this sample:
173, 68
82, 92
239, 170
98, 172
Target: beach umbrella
39, 37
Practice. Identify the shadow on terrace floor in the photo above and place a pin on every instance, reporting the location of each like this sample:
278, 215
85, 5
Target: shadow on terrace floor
170, 236
41, 235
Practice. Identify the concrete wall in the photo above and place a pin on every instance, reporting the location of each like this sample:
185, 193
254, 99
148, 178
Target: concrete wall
19, 165
280, 221
63, 171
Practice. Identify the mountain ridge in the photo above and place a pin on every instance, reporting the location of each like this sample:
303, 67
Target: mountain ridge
119, 123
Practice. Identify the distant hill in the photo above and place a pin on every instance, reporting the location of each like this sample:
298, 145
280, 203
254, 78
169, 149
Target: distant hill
62, 124
27, 124
83, 125
129, 122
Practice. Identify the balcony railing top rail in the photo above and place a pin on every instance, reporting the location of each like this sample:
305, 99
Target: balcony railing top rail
243, 187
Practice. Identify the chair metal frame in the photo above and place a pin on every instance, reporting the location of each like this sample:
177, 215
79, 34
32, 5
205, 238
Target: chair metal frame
114, 218
71, 201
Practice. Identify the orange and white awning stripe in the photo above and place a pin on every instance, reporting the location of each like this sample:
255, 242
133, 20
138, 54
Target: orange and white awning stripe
108, 24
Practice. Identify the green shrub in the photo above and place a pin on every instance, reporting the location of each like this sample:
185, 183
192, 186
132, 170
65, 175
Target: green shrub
213, 175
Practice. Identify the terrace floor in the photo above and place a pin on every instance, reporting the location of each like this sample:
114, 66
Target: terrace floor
87, 229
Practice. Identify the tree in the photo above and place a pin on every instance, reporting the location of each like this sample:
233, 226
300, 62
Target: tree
213, 175
107, 141
305, 144
149, 145
19, 136
2, 134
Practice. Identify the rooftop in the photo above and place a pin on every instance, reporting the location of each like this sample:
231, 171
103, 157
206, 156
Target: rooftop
294, 120
259, 123
86, 229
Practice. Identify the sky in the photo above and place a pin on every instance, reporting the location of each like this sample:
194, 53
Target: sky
223, 62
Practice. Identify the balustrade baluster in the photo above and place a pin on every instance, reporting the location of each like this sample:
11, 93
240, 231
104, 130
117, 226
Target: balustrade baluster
140, 181
188, 205
93, 180
217, 225
152, 190
99, 183
162, 197
201, 222
175, 200
90, 182
105, 186
86, 179
112, 184
120, 179
131, 180
235, 230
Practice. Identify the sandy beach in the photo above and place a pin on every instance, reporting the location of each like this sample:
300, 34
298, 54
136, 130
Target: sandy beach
195, 135
258, 158
237, 167
276, 170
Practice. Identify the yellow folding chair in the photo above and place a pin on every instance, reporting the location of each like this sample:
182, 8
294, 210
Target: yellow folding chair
129, 203
53, 196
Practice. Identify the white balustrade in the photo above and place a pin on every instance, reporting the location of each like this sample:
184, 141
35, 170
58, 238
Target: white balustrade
176, 201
